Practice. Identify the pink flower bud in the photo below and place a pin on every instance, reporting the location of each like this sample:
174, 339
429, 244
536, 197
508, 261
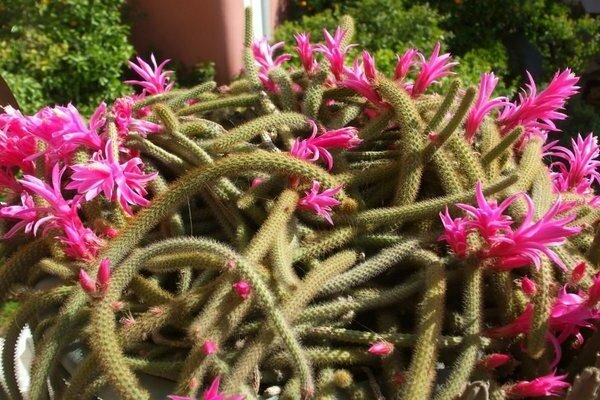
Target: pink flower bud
242, 289
578, 273
230, 265
87, 284
156, 310
528, 287
495, 360
210, 347
256, 182
127, 321
103, 277
381, 349
398, 378
433, 137
117, 305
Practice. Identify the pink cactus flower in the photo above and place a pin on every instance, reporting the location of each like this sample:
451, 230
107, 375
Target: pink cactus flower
455, 233
306, 52
242, 289
571, 312
316, 147
537, 111
357, 79
8, 182
487, 217
263, 55
578, 168
119, 182
98, 287
548, 385
212, 393
64, 130
320, 203
122, 109
495, 360
26, 214
522, 324
58, 206
528, 287
526, 244
594, 292
81, 243
381, 349
483, 104
210, 347
154, 79
405, 62
431, 70
334, 51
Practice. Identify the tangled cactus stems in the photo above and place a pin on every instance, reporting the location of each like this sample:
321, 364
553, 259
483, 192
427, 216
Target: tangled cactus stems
300, 225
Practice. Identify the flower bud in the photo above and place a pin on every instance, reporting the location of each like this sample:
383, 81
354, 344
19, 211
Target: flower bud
87, 284
495, 360
381, 349
528, 287
242, 289
103, 277
210, 347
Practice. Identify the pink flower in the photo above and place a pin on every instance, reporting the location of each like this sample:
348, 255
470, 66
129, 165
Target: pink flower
212, 393
314, 147
455, 233
155, 80
436, 67
571, 312
64, 130
357, 79
263, 55
119, 182
26, 213
381, 349
86, 282
495, 360
579, 169
483, 105
594, 291
320, 203
522, 324
242, 289
210, 347
404, 63
334, 51
61, 215
537, 111
487, 217
305, 51
548, 385
122, 109
525, 245
8, 182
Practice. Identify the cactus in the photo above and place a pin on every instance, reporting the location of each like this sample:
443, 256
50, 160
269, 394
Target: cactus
241, 244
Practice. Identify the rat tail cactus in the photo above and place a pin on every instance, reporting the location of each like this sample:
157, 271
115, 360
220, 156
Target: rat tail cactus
315, 232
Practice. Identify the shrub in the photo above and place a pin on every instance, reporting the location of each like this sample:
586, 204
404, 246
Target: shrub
63, 51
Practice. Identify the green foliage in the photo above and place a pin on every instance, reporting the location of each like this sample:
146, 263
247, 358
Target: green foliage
63, 51
385, 27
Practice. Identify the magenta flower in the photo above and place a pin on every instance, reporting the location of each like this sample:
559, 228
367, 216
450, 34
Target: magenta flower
536, 112
404, 63
483, 104
26, 214
548, 385
305, 51
578, 170
435, 68
8, 182
314, 147
381, 349
570, 313
119, 182
455, 233
16, 149
522, 324
61, 215
263, 55
154, 79
122, 109
487, 217
320, 203
334, 51
212, 393
64, 130
525, 245
210, 347
357, 79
